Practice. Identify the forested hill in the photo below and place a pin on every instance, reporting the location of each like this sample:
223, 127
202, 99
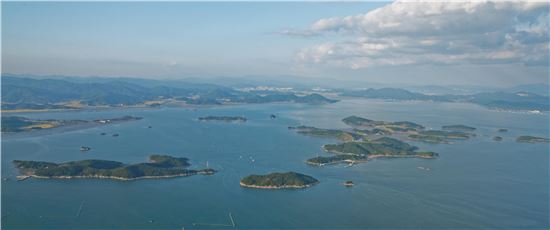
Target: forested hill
32, 93
499, 100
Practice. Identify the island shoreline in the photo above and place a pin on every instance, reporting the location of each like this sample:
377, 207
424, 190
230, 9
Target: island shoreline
118, 178
277, 187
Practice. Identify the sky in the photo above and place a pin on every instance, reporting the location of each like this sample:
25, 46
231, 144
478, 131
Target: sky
472, 43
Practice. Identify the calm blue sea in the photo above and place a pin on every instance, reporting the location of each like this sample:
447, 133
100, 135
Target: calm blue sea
474, 184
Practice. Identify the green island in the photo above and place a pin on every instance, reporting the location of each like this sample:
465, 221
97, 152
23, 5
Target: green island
14, 124
223, 118
359, 121
413, 131
375, 131
462, 128
439, 136
159, 166
362, 151
369, 139
331, 133
399, 126
532, 139
340, 158
364, 129
278, 181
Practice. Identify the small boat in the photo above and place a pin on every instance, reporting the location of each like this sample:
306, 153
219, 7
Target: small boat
84, 148
349, 183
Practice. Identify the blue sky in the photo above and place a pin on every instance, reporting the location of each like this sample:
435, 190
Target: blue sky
371, 41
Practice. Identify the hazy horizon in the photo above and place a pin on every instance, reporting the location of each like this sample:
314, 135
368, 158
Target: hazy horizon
496, 44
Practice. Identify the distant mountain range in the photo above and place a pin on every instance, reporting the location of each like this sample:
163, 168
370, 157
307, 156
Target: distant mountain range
29, 93
58, 93
499, 100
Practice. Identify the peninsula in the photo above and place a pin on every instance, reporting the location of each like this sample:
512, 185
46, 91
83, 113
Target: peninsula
14, 124
159, 166
278, 181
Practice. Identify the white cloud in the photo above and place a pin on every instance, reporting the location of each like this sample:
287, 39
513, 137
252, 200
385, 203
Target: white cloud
481, 32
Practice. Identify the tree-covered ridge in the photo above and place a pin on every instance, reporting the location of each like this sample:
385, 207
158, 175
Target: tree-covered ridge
340, 158
399, 126
169, 161
439, 136
501, 100
29, 93
332, 133
369, 127
358, 145
359, 121
158, 166
361, 151
20, 124
414, 131
279, 180
381, 146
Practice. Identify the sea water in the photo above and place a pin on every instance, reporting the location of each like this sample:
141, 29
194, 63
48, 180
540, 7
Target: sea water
475, 183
